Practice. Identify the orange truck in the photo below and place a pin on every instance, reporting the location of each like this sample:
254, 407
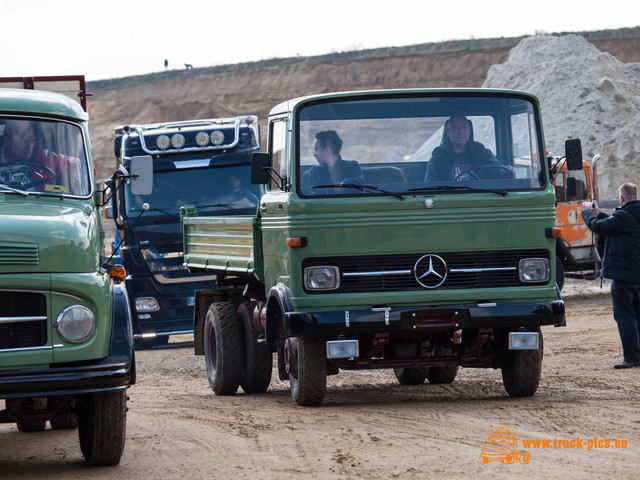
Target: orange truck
577, 249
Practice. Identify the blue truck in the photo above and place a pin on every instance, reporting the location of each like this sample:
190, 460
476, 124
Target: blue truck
205, 162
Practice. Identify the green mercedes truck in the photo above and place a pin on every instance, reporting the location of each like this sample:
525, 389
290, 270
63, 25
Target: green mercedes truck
66, 343
410, 230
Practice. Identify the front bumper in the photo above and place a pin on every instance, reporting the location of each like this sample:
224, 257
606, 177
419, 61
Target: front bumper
65, 380
425, 319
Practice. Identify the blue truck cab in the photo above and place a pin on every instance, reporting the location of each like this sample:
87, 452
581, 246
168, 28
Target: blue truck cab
203, 162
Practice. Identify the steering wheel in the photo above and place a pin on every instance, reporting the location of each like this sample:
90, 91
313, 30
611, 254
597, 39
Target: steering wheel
31, 168
502, 171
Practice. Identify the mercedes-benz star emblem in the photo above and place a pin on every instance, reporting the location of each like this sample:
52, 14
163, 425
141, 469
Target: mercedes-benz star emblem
430, 271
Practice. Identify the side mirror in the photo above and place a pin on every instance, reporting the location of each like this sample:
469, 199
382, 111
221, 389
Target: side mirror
573, 154
259, 168
141, 170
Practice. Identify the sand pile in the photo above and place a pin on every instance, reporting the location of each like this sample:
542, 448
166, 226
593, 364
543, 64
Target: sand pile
584, 93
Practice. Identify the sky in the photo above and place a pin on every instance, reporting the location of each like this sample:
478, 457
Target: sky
110, 39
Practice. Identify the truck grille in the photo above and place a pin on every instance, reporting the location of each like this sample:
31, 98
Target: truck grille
489, 269
23, 320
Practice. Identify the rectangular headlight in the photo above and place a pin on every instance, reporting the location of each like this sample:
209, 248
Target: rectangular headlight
342, 348
534, 270
321, 278
523, 340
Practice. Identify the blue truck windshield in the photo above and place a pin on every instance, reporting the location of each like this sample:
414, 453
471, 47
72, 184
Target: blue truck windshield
43, 156
418, 144
214, 191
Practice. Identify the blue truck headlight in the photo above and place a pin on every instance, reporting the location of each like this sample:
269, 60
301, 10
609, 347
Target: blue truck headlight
76, 323
321, 278
534, 270
163, 142
146, 304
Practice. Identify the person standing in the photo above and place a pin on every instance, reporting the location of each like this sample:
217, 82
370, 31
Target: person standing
621, 263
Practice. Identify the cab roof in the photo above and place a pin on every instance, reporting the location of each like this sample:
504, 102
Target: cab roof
40, 102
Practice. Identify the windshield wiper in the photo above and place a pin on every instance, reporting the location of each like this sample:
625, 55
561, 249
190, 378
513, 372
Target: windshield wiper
439, 188
14, 190
363, 188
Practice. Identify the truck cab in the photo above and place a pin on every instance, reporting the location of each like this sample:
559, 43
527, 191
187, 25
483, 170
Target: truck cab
197, 162
66, 344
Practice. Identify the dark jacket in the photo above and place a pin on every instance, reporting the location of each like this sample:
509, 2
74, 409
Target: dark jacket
621, 259
349, 170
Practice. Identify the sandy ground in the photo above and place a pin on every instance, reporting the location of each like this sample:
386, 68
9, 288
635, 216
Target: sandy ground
369, 427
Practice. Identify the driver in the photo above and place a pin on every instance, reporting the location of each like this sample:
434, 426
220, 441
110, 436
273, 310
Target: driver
461, 158
331, 168
20, 147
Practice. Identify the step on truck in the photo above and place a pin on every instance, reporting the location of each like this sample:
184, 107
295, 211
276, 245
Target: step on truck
203, 162
66, 344
382, 263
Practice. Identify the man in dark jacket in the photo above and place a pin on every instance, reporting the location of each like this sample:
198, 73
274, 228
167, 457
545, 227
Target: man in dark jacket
331, 168
461, 158
621, 263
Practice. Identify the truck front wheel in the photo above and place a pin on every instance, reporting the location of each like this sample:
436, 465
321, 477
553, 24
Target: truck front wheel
101, 427
257, 355
223, 350
446, 374
521, 371
306, 362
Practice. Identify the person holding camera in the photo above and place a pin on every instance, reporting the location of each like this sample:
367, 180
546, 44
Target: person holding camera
621, 263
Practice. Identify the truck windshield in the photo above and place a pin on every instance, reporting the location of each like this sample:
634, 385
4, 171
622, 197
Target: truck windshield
382, 145
43, 156
214, 191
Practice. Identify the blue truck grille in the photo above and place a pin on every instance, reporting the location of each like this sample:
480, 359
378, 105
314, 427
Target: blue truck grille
377, 273
23, 320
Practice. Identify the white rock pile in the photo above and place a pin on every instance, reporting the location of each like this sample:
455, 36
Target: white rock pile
585, 94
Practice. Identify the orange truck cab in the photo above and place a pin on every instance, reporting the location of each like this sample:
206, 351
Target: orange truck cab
577, 248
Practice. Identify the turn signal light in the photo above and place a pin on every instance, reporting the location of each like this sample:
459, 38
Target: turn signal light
296, 242
553, 232
117, 274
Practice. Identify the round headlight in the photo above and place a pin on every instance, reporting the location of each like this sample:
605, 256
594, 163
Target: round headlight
177, 140
162, 142
76, 323
202, 139
217, 137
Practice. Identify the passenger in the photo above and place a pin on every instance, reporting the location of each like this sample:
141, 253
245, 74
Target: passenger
331, 168
461, 158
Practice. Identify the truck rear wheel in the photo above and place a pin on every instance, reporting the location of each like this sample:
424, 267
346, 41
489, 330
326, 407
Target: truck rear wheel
307, 367
102, 421
411, 376
446, 374
521, 370
257, 355
223, 350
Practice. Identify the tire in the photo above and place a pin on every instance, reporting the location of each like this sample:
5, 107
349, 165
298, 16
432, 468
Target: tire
102, 421
521, 370
257, 355
411, 376
39, 403
441, 375
559, 273
66, 421
223, 350
309, 383
31, 425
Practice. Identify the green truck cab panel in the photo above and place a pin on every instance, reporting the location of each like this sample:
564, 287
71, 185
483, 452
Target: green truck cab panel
51, 254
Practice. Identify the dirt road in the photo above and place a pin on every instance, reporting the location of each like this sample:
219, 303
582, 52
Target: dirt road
369, 427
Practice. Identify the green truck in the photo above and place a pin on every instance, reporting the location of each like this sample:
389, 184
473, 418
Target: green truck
66, 344
390, 247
